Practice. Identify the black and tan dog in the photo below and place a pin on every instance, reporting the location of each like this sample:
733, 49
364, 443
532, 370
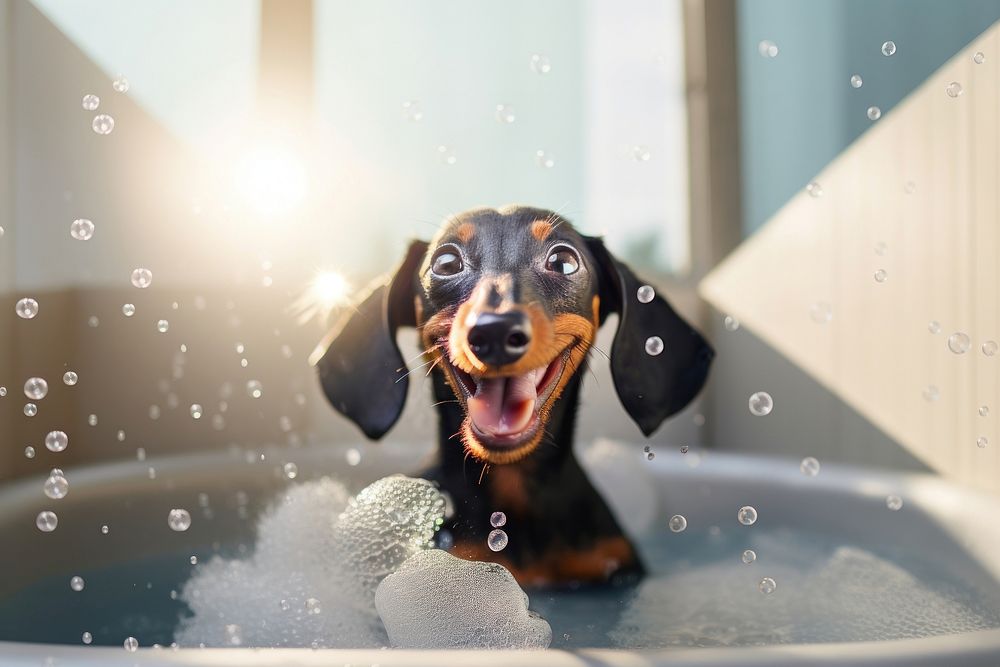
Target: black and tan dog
508, 303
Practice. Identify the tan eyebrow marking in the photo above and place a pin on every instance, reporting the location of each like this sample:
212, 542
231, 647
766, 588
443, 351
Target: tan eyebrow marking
541, 229
465, 231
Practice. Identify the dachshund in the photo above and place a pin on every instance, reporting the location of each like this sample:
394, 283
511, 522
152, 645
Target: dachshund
508, 303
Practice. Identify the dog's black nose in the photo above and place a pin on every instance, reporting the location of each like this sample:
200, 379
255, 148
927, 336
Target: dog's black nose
500, 338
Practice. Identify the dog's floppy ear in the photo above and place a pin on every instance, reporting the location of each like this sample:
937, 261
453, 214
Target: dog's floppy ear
651, 388
360, 367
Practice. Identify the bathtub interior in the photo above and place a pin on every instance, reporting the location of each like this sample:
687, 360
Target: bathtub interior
847, 568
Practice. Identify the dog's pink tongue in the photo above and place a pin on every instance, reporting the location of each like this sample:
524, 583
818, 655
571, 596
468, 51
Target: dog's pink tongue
503, 406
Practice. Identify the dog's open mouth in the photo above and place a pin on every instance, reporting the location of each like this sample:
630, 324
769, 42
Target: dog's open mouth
506, 412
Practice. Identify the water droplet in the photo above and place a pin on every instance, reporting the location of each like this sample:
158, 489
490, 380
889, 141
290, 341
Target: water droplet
70, 378
761, 404
412, 111
313, 606
641, 154
881, 248
953, 89
767, 585
131, 644
990, 348
76, 583
888, 48
982, 441
103, 124
767, 49
91, 102
120, 84
959, 343
36, 388
196, 411
874, 113
498, 519
856, 81
120, 435
81, 229
93, 322
30, 409
821, 312
255, 389
284, 605
544, 160
540, 64
747, 515
29, 452
894, 503
650, 456
815, 190
179, 520
56, 486
881, 275
809, 466
141, 278
505, 114
446, 155
193, 560
105, 530
934, 327
3, 391
162, 326
984, 411
92, 420
26, 308
748, 556
654, 346
685, 449
87, 637
128, 309
291, 470
46, 521
979, 58
353, 456
496, 540
677, 523
56, 441
731, 323
645, 294
931, 393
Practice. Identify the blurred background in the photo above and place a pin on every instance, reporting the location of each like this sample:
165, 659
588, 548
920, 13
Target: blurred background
269, 158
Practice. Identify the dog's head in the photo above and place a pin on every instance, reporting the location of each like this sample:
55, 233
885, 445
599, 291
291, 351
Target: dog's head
508, 303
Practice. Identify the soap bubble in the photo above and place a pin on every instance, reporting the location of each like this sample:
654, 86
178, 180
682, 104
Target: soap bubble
767, 585
120, 84
56, 486
255, 389
3, 391
353, 456
46, 521
641, 154
498, 519
196, 411
874, 113
881, 275
91, 102
92, 420
70, 378
767, 49
76, 583
888, 48
953, 89
131, 644
179, 520
56, 441
645, 294
931, 393
313, 606
809, 466
30, 409
496, 540
505, 114
650, 456
142, 278
234, 635
982, 441
544, 159
29, 452
93, 322
894, 503
959, 342
677, 523
654, 346
761, 404
856, 81
26, 308
87, 637
412, 111
540, 64
979, 58
446, 155
731, 323
747, 515
162, 326
821, 312
36, 388
103, 124
105, 529
748, 556
934, 327
120, 435
984, 411
291, 470
815, 190
990, 348
81, 229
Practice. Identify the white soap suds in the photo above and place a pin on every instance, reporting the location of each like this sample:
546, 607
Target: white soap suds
436, 600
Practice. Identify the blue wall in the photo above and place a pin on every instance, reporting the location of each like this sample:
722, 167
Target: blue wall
798, 110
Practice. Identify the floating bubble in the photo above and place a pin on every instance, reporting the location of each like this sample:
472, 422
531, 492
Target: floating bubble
87, 637
81, 229
888, 48
56, 486
959, 342
540, 64
881, 275
761, 404
291, 470
856, 81
731, 323
645, 294
162, 326
56, 441
29, 452
284, 605
36, 388
990, 348
767, 585
120, 84
103, 124
809, 466
654, 346
641, 154
193, 560
767, 49
446, 155
815, 190
120, 435
105, 529
30, 409
677, 523
953, 89
313, 606
881, 248
821, 312
684, 449
894, 503
255, 389
46, 521
931, 393
234, 635
141, 278
982, 441
196, 411
353, 456
505, 114
93, 322
979, 58
92, 420
748, 556
131, 644
496, 540
747, 515
498, 519
179, 520
91, 102
984, 411
26, 308
544, 159
70, 378
874, 113
934, 327
650, 456
76, 583
412, 111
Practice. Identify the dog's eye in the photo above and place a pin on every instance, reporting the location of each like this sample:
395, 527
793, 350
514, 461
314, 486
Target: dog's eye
562, 260
447, 262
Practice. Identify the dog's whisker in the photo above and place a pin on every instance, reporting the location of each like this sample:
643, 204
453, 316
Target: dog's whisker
482, 474
416, 368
